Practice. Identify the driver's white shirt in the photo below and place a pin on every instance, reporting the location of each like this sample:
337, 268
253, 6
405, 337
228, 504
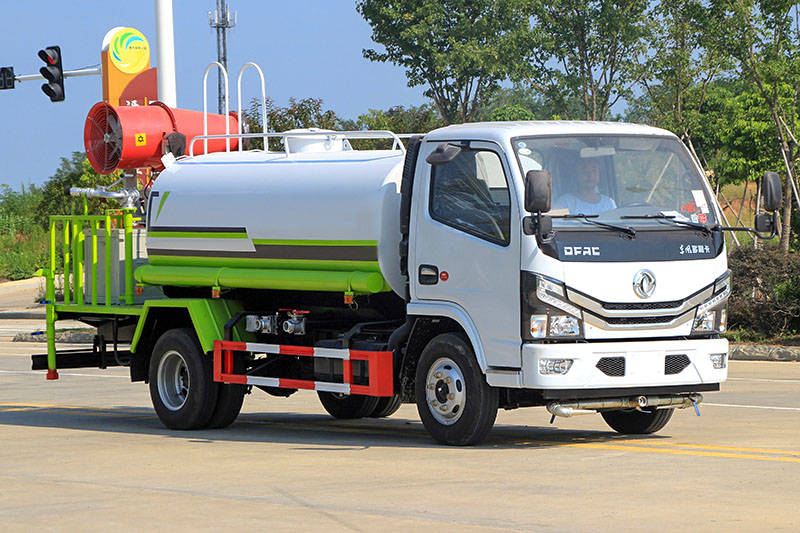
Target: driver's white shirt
578, 205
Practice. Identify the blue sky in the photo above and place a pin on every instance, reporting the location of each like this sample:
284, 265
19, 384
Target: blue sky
307, 48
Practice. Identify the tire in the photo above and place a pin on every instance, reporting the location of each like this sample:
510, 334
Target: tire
230, 398
181, 381
387, 406
633, 422
470, 403
347, 406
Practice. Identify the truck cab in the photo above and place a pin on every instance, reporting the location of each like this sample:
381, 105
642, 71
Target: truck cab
613, 297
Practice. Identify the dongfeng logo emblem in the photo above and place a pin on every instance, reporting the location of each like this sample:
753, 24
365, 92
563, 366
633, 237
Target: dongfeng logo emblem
644, 283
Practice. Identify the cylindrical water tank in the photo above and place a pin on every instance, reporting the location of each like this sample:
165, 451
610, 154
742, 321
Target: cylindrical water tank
303, 221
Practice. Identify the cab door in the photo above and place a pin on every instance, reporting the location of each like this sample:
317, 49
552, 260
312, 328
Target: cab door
465, 247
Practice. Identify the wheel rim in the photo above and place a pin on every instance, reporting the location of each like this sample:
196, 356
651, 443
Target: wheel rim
173, 380
445, 391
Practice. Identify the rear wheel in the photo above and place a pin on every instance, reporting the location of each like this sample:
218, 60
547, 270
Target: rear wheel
346, 405
634, 422
455, 403
386, 406
230, 398
182, 389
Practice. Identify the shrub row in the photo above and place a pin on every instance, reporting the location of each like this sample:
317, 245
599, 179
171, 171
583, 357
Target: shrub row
765, 292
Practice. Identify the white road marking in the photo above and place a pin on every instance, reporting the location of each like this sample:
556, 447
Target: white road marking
766, 380
751, 406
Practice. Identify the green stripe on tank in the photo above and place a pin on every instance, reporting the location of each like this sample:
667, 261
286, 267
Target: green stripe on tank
161, 204
250, 262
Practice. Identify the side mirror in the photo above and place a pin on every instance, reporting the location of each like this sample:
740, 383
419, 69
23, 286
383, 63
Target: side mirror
538, 191
771, 190
765, 223
443, 154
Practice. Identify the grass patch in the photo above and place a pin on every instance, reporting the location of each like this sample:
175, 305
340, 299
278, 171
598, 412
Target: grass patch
24, 252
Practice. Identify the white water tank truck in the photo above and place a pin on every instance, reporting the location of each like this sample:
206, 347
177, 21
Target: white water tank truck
578, 266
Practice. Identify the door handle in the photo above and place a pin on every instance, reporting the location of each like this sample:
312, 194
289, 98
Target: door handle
428, 275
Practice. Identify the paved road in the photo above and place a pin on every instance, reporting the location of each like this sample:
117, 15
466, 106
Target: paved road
87, 452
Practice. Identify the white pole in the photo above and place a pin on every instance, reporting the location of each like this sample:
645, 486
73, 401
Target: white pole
165, 44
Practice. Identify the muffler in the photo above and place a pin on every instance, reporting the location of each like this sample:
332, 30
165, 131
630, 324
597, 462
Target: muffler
588, 407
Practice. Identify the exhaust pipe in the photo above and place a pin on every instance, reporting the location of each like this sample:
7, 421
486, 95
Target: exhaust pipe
588, 407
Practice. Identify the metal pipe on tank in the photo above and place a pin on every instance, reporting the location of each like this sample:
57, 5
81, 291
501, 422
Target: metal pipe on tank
165, 44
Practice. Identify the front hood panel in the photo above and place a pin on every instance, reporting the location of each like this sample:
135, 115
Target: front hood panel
598, 245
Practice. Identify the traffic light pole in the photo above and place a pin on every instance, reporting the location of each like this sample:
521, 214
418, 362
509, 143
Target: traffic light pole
90, 71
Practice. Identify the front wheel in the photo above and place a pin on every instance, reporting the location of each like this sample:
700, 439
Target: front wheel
634, 422
455, 403
182, 389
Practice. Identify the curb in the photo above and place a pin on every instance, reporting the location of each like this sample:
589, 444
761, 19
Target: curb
763, 352
65, 337
23, 315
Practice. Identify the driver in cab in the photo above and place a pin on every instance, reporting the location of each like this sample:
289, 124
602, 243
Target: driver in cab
586, 200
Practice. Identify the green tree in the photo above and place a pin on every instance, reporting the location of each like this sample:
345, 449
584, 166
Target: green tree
73, 172
523, 102
763, 40
681, 68
460, 49
593, 50
399, 119
299, 114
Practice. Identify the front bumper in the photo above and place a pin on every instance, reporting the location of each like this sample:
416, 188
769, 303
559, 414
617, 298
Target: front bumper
644, 365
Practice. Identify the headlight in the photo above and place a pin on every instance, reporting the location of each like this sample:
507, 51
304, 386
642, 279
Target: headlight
564, 326
722, 289
538, 326
546, 312
705, 322
712, 314
552, 294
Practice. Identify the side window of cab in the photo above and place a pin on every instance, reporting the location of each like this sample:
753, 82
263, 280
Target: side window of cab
470, 193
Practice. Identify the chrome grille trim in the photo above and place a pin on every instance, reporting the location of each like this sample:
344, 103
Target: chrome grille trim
595, 307
674, 322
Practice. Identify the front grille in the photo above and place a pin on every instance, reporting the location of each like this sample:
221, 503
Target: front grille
638, 320
648, 306
674, 364
612, 366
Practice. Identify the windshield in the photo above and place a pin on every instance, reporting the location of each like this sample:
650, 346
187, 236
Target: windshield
630, 180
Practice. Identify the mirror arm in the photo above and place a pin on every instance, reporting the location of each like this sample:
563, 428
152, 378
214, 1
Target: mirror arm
754, 232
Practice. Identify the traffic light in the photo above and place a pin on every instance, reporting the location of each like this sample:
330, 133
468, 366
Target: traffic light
53, 73
6, 78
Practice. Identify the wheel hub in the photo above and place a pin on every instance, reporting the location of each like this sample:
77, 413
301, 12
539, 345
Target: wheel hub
445, 391
173, 380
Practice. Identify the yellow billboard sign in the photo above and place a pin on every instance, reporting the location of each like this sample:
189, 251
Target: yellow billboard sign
127, 76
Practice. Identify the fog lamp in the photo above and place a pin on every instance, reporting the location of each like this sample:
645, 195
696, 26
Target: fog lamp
719, 360
554, 366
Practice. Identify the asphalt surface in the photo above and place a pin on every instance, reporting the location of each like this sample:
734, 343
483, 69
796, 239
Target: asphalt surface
87, 452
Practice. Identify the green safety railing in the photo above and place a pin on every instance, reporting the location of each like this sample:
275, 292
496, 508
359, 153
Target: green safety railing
73, 228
